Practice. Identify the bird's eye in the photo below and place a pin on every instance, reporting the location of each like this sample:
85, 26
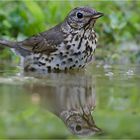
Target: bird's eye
79, 15
78, 128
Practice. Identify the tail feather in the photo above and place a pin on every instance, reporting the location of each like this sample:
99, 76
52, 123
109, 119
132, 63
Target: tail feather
15, 47
7, 43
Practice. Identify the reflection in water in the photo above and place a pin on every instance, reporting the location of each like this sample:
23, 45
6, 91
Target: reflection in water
117, 88
70, 96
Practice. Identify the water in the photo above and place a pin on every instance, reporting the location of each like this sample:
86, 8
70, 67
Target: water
104, 99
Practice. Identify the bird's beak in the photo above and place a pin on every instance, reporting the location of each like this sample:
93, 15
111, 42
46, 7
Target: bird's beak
97, 15
96, 129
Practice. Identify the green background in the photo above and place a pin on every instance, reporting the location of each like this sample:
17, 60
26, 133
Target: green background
118, 30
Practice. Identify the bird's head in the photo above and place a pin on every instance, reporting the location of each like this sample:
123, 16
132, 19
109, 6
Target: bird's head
80, 124
82, 17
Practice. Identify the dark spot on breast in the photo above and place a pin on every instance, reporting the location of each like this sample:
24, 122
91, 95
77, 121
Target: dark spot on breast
76, 38
55, 54
66, 42
73, 65
61, 53
36, 58
88, 48
74, 53
56, 69
64, 56
70, 67
71, 38
91, 37
91, 49
95, 41
68, 47
40, 63
50, 60
86, 43
77, 53
84, 51
64, 62
85, 37
49, 68
57, 65
74, 34
94, 35
70, 59
76, 61
46, 59
73, 44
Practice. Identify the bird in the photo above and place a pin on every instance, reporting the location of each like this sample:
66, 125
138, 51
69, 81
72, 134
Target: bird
72, 100
68, 45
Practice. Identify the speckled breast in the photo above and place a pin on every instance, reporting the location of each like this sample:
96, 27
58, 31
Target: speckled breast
74, 53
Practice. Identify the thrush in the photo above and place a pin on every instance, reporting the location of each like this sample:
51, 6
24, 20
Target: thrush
72, 99
68, 45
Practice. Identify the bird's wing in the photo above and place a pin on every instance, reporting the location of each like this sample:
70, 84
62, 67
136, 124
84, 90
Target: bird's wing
45, 42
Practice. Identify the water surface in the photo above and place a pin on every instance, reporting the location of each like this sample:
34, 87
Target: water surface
104, 98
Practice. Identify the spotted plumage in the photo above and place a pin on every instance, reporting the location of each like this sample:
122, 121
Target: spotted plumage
68, 45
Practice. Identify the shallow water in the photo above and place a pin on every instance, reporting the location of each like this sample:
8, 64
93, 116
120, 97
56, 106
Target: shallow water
64, 105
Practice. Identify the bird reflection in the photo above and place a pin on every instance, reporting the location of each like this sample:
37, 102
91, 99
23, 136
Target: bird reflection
71, 97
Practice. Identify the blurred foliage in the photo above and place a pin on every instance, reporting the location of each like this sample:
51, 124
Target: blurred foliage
20, 19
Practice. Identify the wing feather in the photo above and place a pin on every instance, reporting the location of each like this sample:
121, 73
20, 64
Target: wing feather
45, 42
